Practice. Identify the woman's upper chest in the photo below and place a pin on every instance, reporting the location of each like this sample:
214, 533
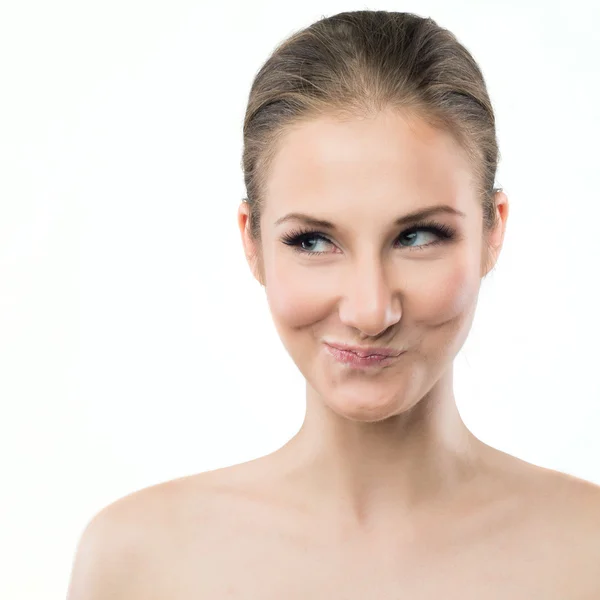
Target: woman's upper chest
534, 547
250, 564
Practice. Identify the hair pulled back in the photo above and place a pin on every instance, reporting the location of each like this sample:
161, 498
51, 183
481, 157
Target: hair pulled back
355, 64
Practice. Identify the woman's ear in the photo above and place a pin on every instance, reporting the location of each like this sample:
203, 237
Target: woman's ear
251, 249
495, 238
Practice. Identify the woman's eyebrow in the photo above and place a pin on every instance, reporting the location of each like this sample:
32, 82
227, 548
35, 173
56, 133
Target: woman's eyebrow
411, 217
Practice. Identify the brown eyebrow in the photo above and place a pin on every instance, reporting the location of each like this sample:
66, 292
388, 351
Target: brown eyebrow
409, 218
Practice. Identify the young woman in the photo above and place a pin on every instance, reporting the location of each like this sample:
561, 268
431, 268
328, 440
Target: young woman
371, 218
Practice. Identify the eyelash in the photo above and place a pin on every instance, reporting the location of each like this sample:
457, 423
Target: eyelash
444, 232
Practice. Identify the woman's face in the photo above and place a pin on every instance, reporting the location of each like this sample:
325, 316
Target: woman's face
367, 280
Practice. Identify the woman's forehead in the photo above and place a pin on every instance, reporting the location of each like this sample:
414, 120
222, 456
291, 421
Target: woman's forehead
386, 148
376, 160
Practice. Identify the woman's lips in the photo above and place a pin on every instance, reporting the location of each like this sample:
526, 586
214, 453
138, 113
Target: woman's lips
364, 351
354, 360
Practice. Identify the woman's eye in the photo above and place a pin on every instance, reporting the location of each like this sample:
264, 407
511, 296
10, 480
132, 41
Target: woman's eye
414, 235
311, 243
315, 243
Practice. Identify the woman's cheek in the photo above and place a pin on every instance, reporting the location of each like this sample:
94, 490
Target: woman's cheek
296, 293
444, 291
300, 295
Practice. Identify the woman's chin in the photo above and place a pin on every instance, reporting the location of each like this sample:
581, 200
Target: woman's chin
367, 408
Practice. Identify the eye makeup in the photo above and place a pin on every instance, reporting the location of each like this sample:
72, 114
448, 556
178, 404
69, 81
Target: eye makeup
443, 233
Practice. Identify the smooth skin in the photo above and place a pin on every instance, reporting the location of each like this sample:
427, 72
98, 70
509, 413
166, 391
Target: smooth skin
383, 492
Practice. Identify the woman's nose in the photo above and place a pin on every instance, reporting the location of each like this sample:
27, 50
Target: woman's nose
370, 303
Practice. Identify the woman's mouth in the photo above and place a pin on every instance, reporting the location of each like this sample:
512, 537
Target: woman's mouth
352, 359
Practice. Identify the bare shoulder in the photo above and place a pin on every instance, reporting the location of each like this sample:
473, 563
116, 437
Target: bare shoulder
581, 537
564, 511
134, 534
544, 490
580, 502
577, 499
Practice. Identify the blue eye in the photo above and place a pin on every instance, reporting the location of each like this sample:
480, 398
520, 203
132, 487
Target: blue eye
299, 238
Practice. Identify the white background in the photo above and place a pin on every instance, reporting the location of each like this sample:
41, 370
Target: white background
135, 346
